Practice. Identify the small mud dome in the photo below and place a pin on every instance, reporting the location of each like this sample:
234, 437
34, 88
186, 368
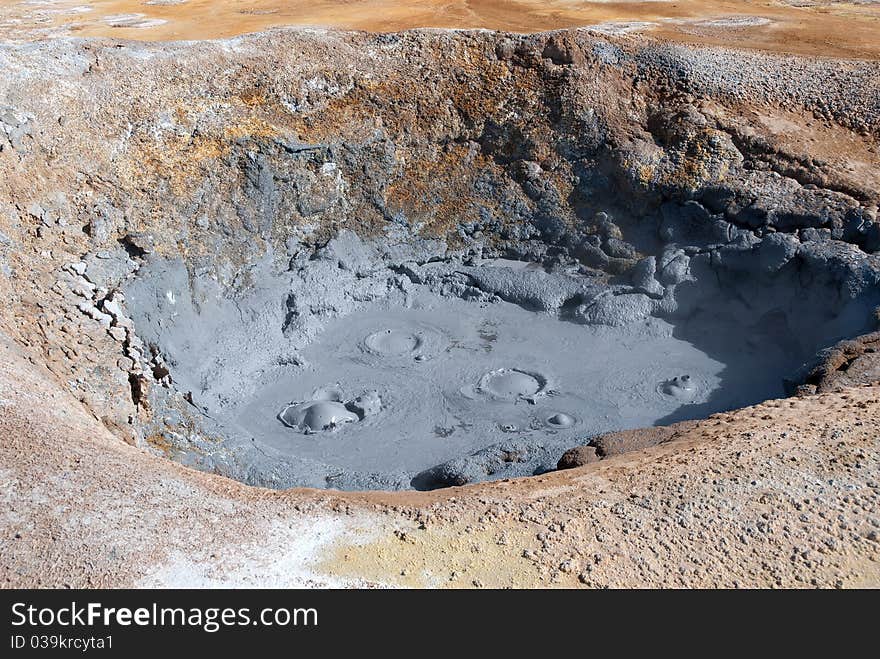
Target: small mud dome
370, 365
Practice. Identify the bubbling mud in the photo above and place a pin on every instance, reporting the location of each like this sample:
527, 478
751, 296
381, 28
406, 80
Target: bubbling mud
316, 415
392, 342
681, 387
512, 384
326, 411
351, 370
561, 420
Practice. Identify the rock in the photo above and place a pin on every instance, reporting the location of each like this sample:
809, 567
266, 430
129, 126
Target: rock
674, 267
505, 49
561, 49
686, 223
36, 211
531, 170
94, 313
615, 310
606, 226
591, 255
140, 243
515, 457
775, 250
642, 277
760, 199
578, 457
849, 363
103, 220
113, 305
83, 288
109, 268
619, 249
615, 443
608, 53
814, 235
78, 267
534, 289
350, 253
16, 125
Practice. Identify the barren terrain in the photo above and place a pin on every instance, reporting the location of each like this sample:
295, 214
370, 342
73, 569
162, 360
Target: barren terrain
826, 28
115, 153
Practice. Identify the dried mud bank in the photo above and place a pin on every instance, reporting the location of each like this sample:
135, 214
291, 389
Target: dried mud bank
260, 255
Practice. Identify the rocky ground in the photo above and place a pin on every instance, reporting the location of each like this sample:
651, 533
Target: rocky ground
218, 154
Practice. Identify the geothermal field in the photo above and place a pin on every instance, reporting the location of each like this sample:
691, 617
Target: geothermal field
487, 294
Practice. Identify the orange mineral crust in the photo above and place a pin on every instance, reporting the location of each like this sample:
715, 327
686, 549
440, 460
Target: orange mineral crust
839, 29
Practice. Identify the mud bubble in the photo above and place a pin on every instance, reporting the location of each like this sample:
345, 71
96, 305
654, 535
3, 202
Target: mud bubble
326, 412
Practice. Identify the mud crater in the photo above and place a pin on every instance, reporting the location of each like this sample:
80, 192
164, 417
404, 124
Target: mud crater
355, 366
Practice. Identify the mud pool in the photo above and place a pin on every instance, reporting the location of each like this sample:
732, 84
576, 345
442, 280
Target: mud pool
360, 369
455, 376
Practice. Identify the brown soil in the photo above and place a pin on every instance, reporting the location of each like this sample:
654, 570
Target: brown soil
830, 28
